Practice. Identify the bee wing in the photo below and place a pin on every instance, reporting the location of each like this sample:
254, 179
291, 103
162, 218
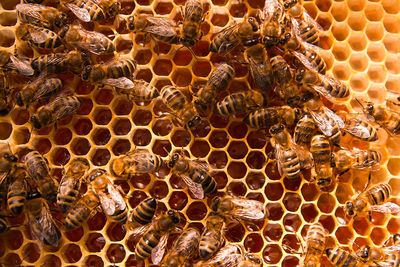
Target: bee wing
123, 83
162, 30
248, 208
200, 165
227, 257
107, 204
261, 74
305, 157
161, 21
80, 13
279, 158
37, 36
47, 229
94, 47
116, 196
338, 120
326, 123
195, 188
272, 8
358, 130
62, 112
43, 90
392, 249
303, 59
30, 10
138, 231
310, 20
388, 207
24, 67
157, 253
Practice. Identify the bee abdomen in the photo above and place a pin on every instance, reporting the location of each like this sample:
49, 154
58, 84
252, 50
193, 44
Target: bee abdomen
207, 182
291, 164
95, 12
145, 211
320, 148
341, 258
262, 118
146, 244
304, 130
209, 244
172, 97
231, 104
124, 68
120, 216
76, 217
379, 193
309, 34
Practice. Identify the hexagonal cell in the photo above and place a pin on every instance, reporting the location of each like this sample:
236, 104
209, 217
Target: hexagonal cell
200, 148
237, 149
5, 130
234, 232
94, 261
121, 147
116, 253
60, 156
255, 160
328, 222
19, 116
178, 200
359, 61
238, 10
309, 212
163, 7
162, 67
182, 77
71, 253
101, 136
161, 147
218, 139
361, 225
95, 242
237, 188
7, 38
341, 51
359, 82
237, 170
162, 127
80, 146
324, 20
374, 11
391, 6
122, 106
273, 232
159, 189
201, 68
8, 19
217, 159
21, 136
378, 235
392, 44
196, 211
237, 129
142, 56
31, 252
326, 203
219, 17
100, 157
102, 116
339, 11
392, 64
291, 201
142, 117
392, 84
377, 73
14, 239
253, 243
340, 31
255, 180
104, 96
357, 21
42, 145
273, 191
144, 74
374, 31
123, 45
272, 254
344, 235
83, 126
86, 106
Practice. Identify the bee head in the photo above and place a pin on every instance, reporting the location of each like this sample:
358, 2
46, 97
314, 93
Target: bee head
173, 160
254, 24
270, 41
215, 204
396, 238
300, 75
364, 252
130, 21
297, 114
86, 73
63, 31
61, 20
307, 96
174, 216
187, 42
10, 157
349, 208
194, 122
369, 108
289, 4
19, 99
114, 9
277, 128
285, 38
35, 122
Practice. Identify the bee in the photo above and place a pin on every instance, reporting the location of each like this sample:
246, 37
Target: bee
218, 82
251, 260
194, 174
81, 210
315, 245
50, 113
183, 248
344, 159
192, 18
42, 223
281, 70
40, 88
111, 199
181, 108
61, 62
272, 18
141, 91
304, 26
240, 103
37, 36
5, 93
304, 130
135, 162
233, 35
7, 161
85, 10
229, 256
39, 171
327, 86
71, 182
290, 93
42, 16
143, 213
9, 61
341, 258
267, 117
290, 158
17, 191
237, 207
327, 121
211, 240
259, 66
94, 42
392, 102
162, 29
154, 240
386, 118
382, 256
114, 73
321, 151
110, 7
361, 129
373, 199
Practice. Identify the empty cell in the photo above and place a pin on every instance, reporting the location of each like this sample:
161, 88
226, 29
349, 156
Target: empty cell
271, 170
42, 145
142, 117
392, 43
162, 67
159, 189
62, 136
393, 84
196, 211
182, 77
374, 11
339, 11
323, 5
356, 5
237, 189
180, 138
121, 147
325, 41
162, 127
8, 19
359, 82
324, 20
253, 243
393, 166
272, 254
391, 6
234, 232
237, 149
100, 157
359, 61
182, 57
392, 64
201, 68
161, 147
374, 31
377, 73
341, 51
7, 38
340, 31
71, 253
21, 136
309, 212
163, 8
376, 52
220, 178
122, 106
357, 21
200, 148
358, 41
219, 121
124, 45
178, 200
238, 10
219, 18
237, 170
31, 252
391, 24
121, 126
80, 146
273, 232
97, 222
116, 253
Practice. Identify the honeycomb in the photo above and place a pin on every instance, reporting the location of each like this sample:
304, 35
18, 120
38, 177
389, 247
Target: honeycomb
359, 38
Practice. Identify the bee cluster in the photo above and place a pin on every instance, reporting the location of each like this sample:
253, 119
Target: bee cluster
295, 105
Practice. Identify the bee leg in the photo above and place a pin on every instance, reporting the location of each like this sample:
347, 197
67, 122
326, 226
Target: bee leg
370, 216
119, 188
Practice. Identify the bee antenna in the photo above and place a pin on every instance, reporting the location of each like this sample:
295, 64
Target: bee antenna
359, 102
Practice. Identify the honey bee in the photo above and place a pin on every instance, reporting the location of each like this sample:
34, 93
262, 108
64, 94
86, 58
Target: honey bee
37, 36
290, 158
183, 248
42, 223
111, 199
7, 161
17, 191
315, 245
341, 258
141, 91
50, 113
344, 159
154, 240
373, 199
251, 260
42, 16
218, 81
304, 26
327, 86
94, 42
81, 210
382, 256
39, 171
61, 62
85, 10
321, 151
239, 103
304, 130
239, 208
281, 70
290, 93
233, 35
267, 117
181, 108
211, 240
327, 121
392, 102
113, 73
259, 66
192, 18
40, 88
159, 28
110, 7
135, 162
5, 101
143, 213
361, 129
71, 182
272, 18
229, 256
8, 62
385, 117
194, 174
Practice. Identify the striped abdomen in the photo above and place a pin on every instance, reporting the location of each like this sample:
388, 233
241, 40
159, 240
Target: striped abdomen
263, 118
149, 163
209, 244
290, 164
16, 196
378, 194
172, 97
320, 149
304, 130
36, 165
232, 104
361, 129
52, 39
336, 89
68, 192
144, 212
281, 70
317, 60
342, 258
392, 124
81, 210
367, 158
309, 33
70, 104
121, 68
52, 63
146, 244
207, 182
95, 11
315, 242
391, 259
220, 77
